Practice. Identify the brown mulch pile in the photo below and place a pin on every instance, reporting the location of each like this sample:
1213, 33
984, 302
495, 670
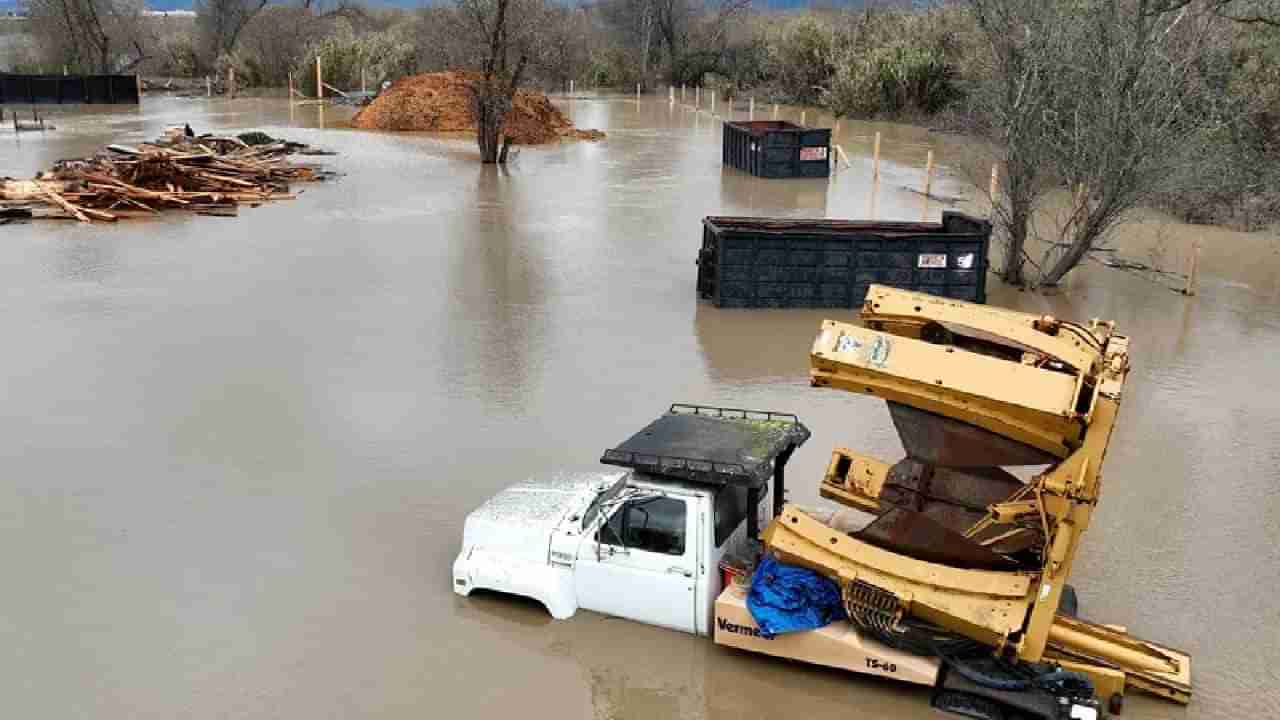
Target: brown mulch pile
441, 102
207, 175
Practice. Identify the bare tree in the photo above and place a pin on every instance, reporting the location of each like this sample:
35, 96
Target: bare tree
1010, 105
220, 23
1102, 97
634, 28
88, 35
1134, 99
1249, 12
493, 94
694, 34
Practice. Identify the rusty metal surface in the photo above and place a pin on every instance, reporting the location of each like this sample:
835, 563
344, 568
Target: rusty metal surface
939, 440
915, 535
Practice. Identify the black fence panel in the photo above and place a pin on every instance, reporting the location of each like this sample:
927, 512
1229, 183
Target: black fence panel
54, 89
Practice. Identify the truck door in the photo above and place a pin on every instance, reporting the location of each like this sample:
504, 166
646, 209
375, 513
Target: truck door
642, 563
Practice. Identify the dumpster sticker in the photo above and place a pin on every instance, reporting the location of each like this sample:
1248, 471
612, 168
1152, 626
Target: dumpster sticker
931, 260
965, 261
812, 153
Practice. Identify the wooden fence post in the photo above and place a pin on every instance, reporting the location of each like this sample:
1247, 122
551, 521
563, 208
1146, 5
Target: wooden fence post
1193, 266
875, 159
319, 80
928, 185
928, 174
995, 187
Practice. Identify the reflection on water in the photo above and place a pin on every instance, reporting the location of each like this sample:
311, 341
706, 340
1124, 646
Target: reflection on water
238, 451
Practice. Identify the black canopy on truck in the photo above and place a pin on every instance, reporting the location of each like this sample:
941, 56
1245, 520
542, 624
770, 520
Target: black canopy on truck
715, 446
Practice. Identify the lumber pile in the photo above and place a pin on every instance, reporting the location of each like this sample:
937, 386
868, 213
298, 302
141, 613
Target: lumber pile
206, 175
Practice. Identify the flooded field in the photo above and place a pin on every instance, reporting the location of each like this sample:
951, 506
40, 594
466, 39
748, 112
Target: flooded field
237, 452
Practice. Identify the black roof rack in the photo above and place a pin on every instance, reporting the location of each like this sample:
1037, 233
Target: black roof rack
712, 445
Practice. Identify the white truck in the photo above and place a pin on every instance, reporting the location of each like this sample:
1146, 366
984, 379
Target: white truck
643, 543
646, 542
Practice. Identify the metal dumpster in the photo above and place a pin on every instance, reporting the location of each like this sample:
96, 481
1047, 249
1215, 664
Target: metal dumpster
775, 263
777, 149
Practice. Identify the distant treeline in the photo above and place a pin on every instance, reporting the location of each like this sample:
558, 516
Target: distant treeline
896, 59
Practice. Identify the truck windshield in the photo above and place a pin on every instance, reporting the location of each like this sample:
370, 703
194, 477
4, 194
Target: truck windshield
604, 497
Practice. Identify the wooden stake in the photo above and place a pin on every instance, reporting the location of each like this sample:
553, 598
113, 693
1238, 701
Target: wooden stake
995, 187
138, 80
570, 87
319, 80
928, 174
775, 111
713, 102
682, 90
208, 86
291, 90
928, 184
637, 91
802, 114
697, 96
843, 154
363, 87
875, 159
231, 82
1193, 264
751, 111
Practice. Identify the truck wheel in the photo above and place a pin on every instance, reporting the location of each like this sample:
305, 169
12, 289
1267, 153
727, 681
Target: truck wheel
1116, 704
1068, 603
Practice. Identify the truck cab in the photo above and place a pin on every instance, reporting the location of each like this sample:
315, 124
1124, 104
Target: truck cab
644, 543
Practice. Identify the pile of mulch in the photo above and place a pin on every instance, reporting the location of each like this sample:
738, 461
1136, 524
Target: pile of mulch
441, 102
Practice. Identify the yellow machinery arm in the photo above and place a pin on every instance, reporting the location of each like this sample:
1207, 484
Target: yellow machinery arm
959, 542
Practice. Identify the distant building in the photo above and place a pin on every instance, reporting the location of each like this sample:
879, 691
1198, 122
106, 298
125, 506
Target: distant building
169, 13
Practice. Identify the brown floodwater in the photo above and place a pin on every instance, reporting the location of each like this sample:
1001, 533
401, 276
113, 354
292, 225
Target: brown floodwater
237, 452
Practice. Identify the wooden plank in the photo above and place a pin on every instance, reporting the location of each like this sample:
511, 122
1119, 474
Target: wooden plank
66, 205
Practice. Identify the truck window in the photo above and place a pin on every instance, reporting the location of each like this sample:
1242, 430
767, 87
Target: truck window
730, 510
655, 524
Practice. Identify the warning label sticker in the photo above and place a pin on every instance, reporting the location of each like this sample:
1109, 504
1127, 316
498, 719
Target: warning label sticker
931, 260
813, 153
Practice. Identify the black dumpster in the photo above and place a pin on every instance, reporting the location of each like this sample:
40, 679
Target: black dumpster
777, 149
768, 263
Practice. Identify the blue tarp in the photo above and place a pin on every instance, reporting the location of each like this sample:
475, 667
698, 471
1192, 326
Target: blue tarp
786, 598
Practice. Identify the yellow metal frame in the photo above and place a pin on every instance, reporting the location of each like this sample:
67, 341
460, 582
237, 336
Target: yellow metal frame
1063, 398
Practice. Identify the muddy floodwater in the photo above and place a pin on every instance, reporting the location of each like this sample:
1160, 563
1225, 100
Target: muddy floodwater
237, 452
